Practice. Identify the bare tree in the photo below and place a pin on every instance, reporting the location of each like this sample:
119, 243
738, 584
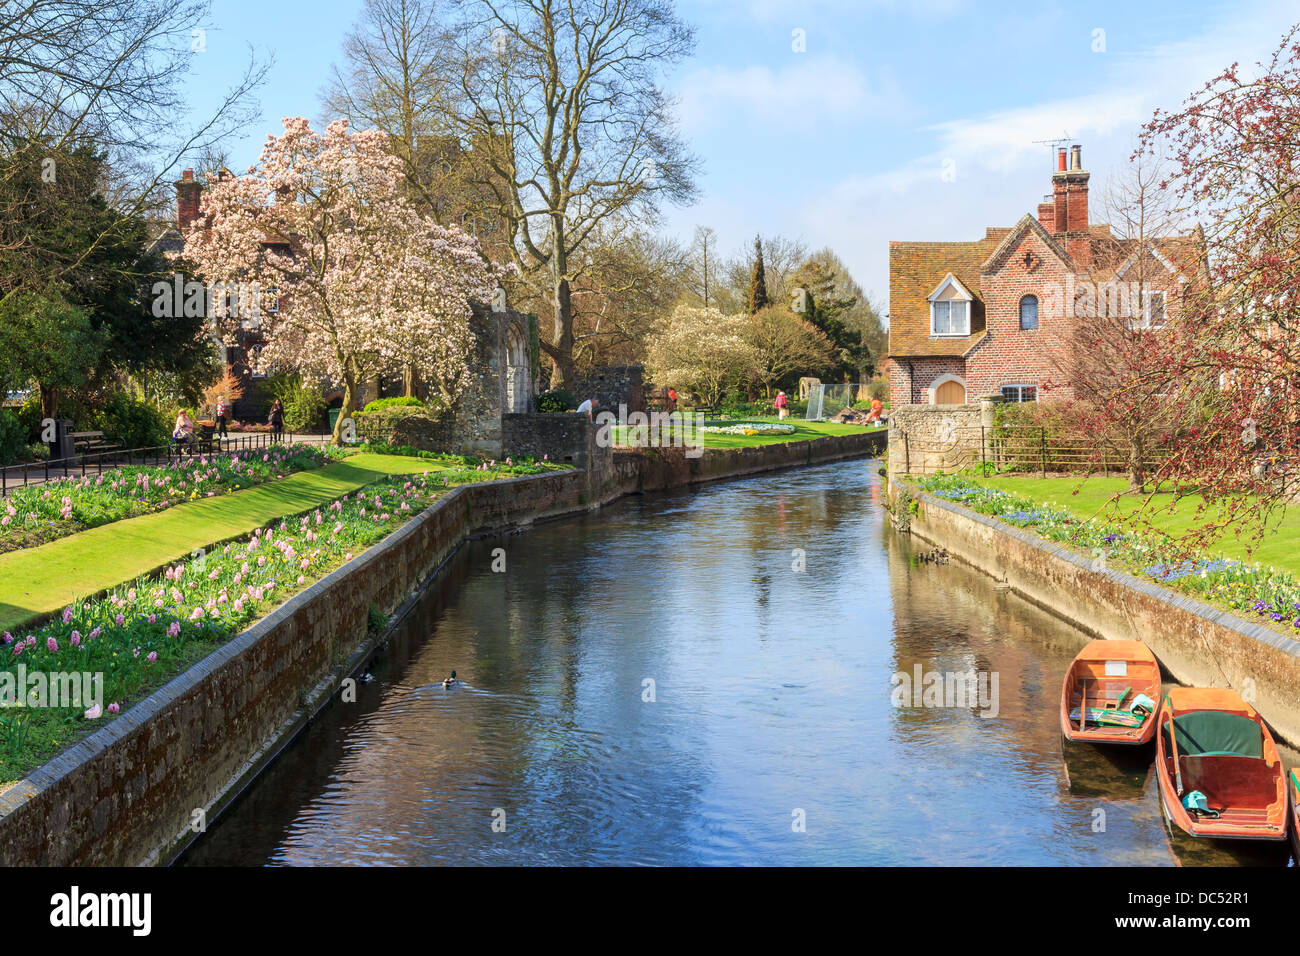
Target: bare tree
109, 74
569, 128
705, 268
1116, 351
781, 257
395, 78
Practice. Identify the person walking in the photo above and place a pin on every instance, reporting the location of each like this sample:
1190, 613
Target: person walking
672, 400
276, 419
223, 411
589, 406
781, 404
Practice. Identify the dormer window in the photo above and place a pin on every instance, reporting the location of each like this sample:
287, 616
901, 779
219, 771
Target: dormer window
950, 306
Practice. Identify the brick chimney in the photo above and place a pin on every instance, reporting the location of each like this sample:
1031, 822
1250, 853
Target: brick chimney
1047, 214
1070, 206
187, 200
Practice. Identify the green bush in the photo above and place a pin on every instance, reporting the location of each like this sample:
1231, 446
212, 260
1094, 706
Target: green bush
13, 437
134, 423
405, 401
878, 390
38, 451
556, 401
304, 410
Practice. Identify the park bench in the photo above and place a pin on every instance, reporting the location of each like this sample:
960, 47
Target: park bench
202, 442
90, 442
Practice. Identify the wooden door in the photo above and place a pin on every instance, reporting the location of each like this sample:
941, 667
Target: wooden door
950, 393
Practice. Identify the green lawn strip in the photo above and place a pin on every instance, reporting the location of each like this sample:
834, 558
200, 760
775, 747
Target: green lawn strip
38, 581
1278, 548
803, 431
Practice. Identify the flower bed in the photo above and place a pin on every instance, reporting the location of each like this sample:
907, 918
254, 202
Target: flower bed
748, 428
1264, 592
143, 633
39, 513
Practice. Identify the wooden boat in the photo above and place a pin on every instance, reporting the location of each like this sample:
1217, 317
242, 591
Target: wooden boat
1106, 678
1210, 740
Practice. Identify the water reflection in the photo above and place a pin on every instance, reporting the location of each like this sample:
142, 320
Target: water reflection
657, 684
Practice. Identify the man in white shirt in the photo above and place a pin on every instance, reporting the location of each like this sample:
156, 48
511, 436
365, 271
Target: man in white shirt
589, 406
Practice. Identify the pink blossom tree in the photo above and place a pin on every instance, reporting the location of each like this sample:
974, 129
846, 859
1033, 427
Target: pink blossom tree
367, 285
1235, 144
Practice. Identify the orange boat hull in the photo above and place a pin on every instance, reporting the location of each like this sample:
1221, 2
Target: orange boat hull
1087, 679
1250, 793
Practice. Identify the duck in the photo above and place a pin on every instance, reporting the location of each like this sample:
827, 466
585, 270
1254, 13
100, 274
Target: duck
451, 681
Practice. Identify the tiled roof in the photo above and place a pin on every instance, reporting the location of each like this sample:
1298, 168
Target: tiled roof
915, 269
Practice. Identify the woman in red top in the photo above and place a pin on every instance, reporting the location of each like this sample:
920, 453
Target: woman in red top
780, 404
672, 400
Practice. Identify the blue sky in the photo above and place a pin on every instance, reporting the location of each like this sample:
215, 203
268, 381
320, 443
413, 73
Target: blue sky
846, 143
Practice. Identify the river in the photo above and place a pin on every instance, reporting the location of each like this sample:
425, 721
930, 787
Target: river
706, 677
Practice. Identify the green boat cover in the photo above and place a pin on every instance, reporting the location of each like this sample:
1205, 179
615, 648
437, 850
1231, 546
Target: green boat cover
1218, 732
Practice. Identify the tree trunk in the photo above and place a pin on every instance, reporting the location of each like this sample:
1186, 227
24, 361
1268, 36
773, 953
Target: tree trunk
348, 406
408, 381
49, 401
562, 375
1136, 473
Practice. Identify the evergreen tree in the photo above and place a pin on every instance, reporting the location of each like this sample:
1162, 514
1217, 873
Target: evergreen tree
758, 282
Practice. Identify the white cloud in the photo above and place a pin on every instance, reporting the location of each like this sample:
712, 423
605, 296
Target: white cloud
808, 89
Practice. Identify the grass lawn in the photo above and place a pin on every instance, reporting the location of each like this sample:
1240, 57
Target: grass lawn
1279, 548
39, 581
803, 431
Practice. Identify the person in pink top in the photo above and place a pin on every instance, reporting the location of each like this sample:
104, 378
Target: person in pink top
781, 403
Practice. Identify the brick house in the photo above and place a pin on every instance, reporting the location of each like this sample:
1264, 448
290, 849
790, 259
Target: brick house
992, 317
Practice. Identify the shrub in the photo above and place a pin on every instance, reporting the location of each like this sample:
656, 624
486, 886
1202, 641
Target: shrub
134, 423
878, 390
556, 401
13, 437
304, 410
406, 401
38, 451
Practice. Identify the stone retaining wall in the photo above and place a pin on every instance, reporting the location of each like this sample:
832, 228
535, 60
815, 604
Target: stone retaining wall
1197, 644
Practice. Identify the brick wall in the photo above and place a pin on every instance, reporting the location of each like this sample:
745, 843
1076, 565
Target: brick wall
1010, 355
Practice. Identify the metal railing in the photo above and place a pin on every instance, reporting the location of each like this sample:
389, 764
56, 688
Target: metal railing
13, 477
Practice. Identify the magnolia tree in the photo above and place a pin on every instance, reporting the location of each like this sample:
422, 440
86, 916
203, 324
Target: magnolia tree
701, 349
369, 285
1236, 147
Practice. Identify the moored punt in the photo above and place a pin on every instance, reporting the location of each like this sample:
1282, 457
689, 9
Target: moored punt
1100, 687
1214, 750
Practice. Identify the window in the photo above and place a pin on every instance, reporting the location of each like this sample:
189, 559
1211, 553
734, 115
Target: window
950, 306
950, 318
1155, 310
1019, 393
1029, 312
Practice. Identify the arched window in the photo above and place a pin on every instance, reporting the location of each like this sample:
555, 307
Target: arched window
1029, 312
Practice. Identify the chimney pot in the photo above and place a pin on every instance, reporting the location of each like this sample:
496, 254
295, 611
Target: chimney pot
188, 175
1076, 157
1060, 158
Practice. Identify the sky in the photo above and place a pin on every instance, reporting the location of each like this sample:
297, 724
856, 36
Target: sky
852, 123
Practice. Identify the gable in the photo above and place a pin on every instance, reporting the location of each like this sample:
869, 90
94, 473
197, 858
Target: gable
1027, 225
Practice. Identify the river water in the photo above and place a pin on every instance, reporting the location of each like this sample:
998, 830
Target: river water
656, 683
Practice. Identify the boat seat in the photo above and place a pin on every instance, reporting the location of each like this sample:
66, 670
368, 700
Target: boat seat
1230, 780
